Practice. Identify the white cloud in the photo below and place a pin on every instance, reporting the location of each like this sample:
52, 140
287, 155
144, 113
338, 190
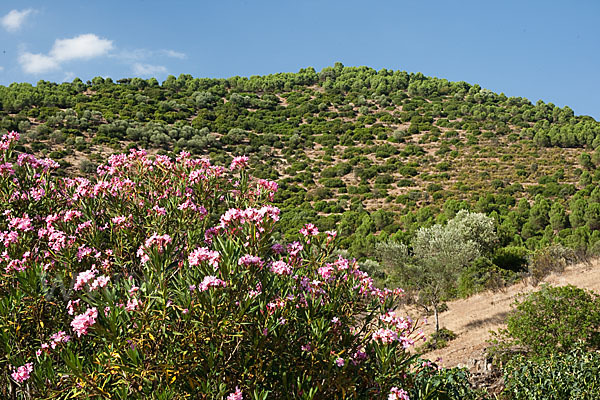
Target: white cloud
174, 54
37, 63
148, 70
82, 47
1, 68
13, 21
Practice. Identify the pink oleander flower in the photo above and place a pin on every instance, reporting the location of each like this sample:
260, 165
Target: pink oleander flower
133, 290
119, 220
253, 293
240, 162
100, 282
82, 322
21, 374
21, 224
71, 306
281, 268
326, 272
7, 169
294, 248
307, 347
309, 230
84, 277
250, 260
204, 254
398, 394
71, 214
385, 336
209, 282
60, 336
159, 210
237, 395
341, 263
132, 304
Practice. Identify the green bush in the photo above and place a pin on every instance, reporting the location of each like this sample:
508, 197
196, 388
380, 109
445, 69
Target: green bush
574, 375
443, 384
549, 259
551, 320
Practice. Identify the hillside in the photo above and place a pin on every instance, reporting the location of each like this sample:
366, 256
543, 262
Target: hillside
373, 153
472, 319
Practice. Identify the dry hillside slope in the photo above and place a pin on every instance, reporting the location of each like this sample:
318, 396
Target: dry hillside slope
473, 318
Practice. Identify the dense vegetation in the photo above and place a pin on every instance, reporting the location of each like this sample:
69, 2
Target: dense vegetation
442, 187
124, 287
380, 153
550, 345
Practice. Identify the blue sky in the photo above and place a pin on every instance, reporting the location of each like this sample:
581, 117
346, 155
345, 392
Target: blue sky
547, 50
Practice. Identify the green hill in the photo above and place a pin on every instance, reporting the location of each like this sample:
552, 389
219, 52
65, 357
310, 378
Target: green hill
373, 153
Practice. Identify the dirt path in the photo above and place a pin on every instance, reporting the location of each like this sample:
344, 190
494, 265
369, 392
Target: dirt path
472, 319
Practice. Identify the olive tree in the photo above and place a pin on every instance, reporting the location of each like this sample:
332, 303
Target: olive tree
439, 254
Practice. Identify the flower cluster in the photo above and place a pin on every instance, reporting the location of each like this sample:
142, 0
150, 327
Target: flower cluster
204, 254
211, 282
82, 322
21, 374
398, 394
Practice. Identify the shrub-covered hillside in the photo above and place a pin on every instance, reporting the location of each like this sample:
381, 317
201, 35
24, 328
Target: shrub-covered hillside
378, 153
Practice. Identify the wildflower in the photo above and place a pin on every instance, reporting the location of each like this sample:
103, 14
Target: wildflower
133, 290
71, 306
100, 282
326, 272
278, 248
132, 304
250, 260
339, 362
307, 347
295, 248
69, 215
159, 210
21, 374
119, 220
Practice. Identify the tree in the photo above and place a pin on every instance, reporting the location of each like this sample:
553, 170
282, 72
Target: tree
439, 255
538, 215
558, 217
586, 161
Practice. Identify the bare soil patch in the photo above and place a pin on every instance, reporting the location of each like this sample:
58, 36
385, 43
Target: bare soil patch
473, 318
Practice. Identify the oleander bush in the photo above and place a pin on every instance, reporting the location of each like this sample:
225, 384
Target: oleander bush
161, 278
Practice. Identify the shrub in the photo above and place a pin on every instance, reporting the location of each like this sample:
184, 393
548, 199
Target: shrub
551, 320
574, 375
549, 259
431, 382
161, 279
439, 339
